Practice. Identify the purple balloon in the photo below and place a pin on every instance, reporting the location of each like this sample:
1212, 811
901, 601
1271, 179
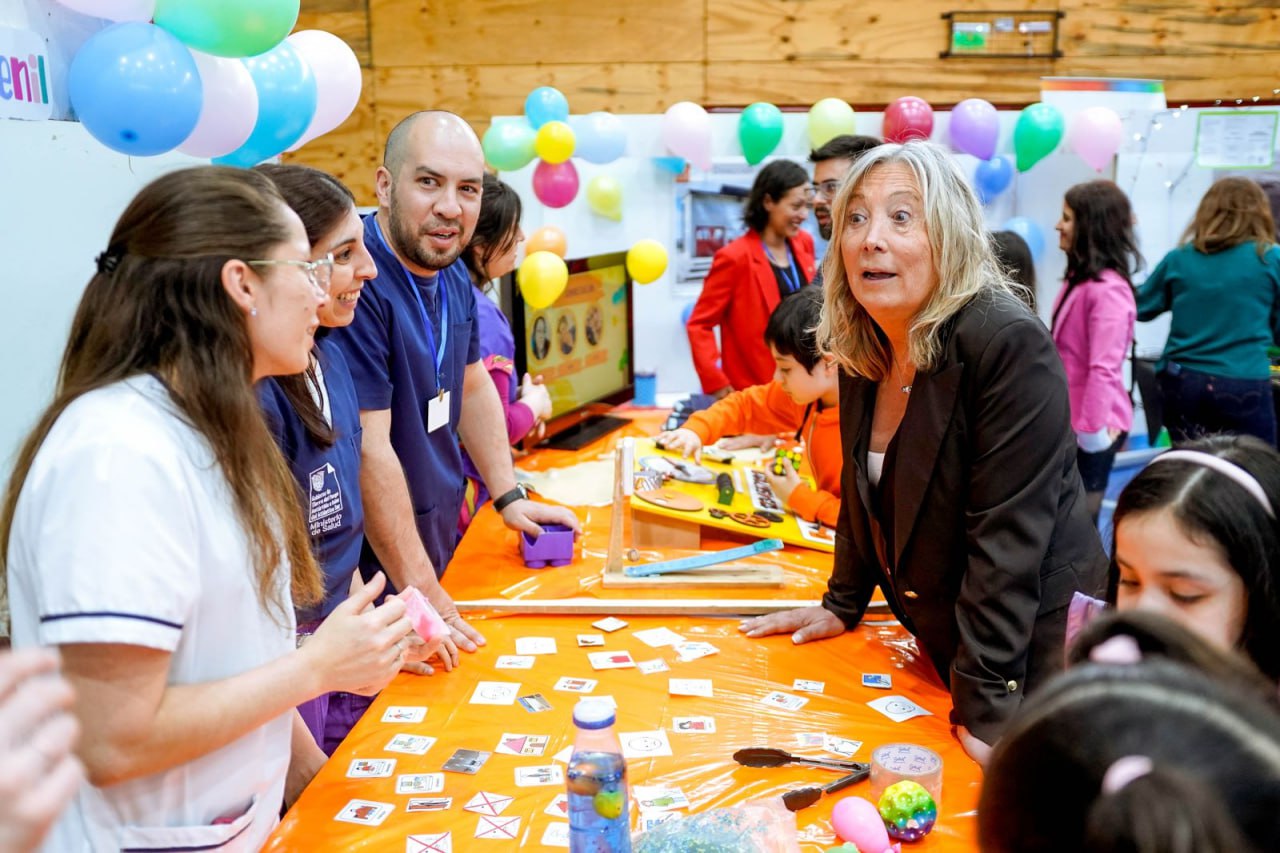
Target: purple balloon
555, 184
975, 128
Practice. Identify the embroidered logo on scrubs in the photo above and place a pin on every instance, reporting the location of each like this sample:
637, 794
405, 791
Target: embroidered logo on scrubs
325, 501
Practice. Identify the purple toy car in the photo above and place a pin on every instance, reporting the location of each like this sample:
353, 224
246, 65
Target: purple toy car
553, 548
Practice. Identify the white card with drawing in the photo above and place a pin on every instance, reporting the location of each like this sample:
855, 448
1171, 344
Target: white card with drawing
495, 693
898, 708
645, 744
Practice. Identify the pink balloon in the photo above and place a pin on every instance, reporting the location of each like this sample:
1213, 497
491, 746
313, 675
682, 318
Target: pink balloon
338, 80
686, 131
857, 820
908, 118
975, 128
1095, 135
555, 184
230, 107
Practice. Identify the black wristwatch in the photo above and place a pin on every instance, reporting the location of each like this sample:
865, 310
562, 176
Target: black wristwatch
506, 499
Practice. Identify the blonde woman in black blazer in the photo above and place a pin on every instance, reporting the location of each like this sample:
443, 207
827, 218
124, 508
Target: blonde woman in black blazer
961, 496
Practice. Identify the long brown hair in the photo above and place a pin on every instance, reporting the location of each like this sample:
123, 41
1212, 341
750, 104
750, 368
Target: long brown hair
1233, 211
158, 306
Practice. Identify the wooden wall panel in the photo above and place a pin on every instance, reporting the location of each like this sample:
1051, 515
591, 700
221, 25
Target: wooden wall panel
346, 19
352, 151
1172, 29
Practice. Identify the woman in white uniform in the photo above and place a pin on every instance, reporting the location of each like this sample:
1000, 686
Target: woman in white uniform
152, 533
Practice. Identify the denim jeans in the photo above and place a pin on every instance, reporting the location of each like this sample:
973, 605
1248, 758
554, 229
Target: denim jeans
1198, 404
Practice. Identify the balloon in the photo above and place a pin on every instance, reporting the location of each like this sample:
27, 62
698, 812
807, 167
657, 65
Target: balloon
674, 165
135, 88
1095, 135
546, 104
857, 820
908, 118
604, 195
230, 107
975, 128
338, 80
601, 138
1038, 132
686, 131
286, 101
508, 145
759, 131
992, 177
555, 184
686, 312
548, 238
1029, 231
228, 27
646, 261
554, 142
542, 278
114, 10
829, 118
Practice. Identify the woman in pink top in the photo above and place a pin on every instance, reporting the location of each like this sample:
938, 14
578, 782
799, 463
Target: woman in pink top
1093, 318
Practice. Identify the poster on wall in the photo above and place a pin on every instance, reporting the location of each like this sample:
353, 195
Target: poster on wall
1236, 139
24, 76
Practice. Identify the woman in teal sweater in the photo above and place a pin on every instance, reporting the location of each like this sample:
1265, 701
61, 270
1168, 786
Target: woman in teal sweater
1223, 287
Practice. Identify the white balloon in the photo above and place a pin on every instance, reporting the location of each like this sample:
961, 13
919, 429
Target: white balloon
338, 80
114, 10
230, 107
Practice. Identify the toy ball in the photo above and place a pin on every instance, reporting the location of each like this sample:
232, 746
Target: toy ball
908, 810
609, 803
856, 820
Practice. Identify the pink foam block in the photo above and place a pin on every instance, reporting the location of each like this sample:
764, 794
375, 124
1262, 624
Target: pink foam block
426, 621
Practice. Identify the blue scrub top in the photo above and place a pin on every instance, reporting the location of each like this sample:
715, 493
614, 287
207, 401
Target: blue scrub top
328, 477
394, 368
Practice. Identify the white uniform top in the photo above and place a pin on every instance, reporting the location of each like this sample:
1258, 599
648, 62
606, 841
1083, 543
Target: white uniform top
125, 532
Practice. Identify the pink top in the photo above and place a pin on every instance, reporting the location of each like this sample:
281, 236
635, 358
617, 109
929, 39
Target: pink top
1093, 331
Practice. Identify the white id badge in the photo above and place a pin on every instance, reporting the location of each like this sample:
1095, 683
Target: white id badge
438, 411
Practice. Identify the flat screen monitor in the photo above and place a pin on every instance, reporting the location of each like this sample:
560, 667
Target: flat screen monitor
582, 346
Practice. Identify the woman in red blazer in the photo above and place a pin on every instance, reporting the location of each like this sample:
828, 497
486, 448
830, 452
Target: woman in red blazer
748, 279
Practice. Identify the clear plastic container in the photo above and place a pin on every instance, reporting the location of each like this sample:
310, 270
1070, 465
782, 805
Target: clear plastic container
599, 813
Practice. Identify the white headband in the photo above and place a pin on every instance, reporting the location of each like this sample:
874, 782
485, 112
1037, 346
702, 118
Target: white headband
1224, 467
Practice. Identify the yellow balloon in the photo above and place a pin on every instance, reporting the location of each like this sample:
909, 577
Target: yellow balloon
829, 118
646, 261
604, 195
555, 142
542, 278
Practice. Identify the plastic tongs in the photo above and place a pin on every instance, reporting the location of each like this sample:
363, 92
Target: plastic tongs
801, 798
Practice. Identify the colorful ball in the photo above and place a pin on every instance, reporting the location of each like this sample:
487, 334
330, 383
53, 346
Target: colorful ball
608, 803
908, 810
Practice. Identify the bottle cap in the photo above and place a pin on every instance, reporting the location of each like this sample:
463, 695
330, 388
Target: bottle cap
593, 714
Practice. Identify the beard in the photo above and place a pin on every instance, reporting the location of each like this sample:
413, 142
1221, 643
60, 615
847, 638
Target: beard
412, 246
824, 228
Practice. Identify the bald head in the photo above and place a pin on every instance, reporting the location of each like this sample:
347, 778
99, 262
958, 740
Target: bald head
423, 130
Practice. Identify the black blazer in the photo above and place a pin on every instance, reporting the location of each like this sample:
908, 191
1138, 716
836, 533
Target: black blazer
991, 533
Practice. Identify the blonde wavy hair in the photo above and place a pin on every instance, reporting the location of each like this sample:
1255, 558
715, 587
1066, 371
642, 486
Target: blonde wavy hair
961, 254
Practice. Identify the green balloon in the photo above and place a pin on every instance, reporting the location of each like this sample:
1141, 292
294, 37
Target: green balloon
759, 131
231, 28
508, 145
1037, 133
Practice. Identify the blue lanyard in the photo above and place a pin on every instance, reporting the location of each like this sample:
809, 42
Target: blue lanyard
422, 310
790, 275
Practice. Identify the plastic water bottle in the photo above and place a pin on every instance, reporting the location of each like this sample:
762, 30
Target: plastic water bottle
599, 819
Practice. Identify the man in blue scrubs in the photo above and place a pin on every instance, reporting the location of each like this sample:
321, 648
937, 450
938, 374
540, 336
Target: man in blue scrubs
414, 352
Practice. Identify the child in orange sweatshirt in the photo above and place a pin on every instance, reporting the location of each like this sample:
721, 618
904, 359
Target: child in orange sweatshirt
802, 401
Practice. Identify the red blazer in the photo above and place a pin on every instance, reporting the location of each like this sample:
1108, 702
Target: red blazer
739, 294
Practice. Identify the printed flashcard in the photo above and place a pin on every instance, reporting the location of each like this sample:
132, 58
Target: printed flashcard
429, 804
488, 804
428, 842
841, 746
404, 714
881, 680
498, 827
659, 798
610, 660
778, 699
495, 693
804, 685
410, 744
575, 685
556, 835
543, 774
655, 638
810, 739
585, 640
691, 651
645, 744
609, 624
898, 708
514, 662
371, 768
690, 687
693, 725
563, 755
466, 761
649, 667
559, 806
419, 783
536, 646
650, 819
534, 703
364, 812
512, 744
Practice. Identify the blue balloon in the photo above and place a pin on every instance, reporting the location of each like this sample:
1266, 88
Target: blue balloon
600, 137
686, 312
1029, 231
546, 104
992, 177
136, 89
674, 165
286, 102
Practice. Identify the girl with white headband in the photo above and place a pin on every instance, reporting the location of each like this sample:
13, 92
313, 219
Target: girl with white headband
1197, 540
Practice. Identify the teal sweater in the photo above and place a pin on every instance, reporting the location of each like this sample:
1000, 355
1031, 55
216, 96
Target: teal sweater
1226, 308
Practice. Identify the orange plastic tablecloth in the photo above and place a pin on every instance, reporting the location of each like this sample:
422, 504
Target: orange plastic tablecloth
742, 672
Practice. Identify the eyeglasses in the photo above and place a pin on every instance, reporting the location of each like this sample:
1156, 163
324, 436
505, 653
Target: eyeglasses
827, 188
320, 272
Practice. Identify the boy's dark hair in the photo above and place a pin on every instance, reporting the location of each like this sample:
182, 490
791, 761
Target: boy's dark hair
1014, 256
793, 326
773, 182
843, 147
